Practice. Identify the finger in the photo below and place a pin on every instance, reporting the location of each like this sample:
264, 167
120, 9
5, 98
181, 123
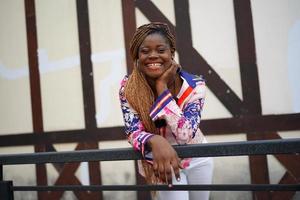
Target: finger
181, 166
175, 66
168, 173
178, 68
179, 163
176, 170
161, 172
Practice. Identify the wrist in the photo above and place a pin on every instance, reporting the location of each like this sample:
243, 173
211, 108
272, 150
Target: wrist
151, 142
160, 87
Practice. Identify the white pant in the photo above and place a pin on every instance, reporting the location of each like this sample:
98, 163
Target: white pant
199, 172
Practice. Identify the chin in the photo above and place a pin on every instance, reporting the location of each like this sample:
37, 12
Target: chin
153, 76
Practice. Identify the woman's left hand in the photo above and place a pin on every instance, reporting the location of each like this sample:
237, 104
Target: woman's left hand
166, 77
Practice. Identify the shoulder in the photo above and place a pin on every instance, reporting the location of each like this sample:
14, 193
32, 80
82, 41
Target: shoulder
192, 79
124, 81
195, 86
122, 85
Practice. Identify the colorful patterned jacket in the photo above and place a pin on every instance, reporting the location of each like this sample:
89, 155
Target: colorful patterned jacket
182, 115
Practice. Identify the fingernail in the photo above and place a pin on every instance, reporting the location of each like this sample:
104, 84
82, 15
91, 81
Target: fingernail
170, 185
178, 179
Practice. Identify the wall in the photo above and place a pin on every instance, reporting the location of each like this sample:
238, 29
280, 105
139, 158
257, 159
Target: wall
277, 40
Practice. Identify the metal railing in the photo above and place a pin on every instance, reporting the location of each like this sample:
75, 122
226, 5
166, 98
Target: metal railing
260, 147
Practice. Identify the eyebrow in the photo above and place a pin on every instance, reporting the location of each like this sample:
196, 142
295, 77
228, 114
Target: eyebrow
160, 45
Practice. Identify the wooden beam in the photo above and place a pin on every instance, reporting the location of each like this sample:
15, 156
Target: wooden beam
259, 170
250, 88
289, 161
35, 88
287, 195
71, 179
129, 27
264, 124
87, 75
86, 64
247, 57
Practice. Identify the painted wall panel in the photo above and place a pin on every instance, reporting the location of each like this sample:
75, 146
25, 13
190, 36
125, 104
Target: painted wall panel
277, 36
15, 103
277, 53
108, 58
59, 65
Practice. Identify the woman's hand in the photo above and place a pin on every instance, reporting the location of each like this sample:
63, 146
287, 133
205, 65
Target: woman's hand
164, 159
167, 77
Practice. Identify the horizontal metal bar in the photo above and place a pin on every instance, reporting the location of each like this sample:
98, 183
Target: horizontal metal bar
213, 187
259, 147
256, 147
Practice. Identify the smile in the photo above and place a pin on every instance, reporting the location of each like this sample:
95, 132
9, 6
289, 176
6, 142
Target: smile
154, 66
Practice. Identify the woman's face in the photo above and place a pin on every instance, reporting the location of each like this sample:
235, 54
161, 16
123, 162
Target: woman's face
155, 56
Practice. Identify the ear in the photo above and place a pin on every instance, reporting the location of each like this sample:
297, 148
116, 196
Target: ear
172, 53
137, 62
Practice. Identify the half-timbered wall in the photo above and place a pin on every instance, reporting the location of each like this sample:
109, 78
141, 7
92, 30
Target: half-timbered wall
61, 63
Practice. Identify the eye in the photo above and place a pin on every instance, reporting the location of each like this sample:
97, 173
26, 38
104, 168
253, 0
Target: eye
161, 50
144, 51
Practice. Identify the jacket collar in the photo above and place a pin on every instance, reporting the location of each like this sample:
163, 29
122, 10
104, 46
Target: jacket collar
189, 78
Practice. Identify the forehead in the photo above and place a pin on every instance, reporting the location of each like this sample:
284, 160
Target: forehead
154, 39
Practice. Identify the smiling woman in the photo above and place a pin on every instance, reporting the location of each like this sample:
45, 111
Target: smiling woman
162, 106
155, 55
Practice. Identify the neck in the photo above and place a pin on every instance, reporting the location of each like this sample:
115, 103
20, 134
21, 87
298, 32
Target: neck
151, 83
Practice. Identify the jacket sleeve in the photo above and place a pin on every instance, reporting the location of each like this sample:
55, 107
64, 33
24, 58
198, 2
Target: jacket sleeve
184, 122
134, 129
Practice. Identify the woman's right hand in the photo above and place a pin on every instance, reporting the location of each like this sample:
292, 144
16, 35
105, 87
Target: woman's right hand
164, 159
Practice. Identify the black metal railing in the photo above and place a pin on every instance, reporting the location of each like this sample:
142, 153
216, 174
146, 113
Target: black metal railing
261, 147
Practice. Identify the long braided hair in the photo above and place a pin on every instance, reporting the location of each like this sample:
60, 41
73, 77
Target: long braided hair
137, 90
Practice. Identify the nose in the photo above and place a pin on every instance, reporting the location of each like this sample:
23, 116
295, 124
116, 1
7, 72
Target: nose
153, 54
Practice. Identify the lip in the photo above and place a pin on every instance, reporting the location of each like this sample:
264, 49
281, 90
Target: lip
154, 63
154, 66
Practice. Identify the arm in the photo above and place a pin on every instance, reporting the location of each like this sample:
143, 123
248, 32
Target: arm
134, 129
184, 122
154, 148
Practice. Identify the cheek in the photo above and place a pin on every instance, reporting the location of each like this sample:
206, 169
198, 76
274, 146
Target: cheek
168, 59
168, 64
141, 60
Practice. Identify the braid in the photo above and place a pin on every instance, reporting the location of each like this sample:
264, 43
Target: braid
141, 98
137, 90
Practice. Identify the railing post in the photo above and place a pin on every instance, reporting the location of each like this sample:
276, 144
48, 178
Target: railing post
1, 172
6, 191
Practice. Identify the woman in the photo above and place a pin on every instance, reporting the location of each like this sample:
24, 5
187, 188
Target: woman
161, 107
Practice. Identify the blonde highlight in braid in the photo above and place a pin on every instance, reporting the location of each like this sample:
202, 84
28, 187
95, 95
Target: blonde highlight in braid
136, 86
137, 90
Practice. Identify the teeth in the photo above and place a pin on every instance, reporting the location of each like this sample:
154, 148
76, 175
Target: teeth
154, 64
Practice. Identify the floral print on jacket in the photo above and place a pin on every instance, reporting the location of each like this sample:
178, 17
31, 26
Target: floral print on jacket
181, 113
